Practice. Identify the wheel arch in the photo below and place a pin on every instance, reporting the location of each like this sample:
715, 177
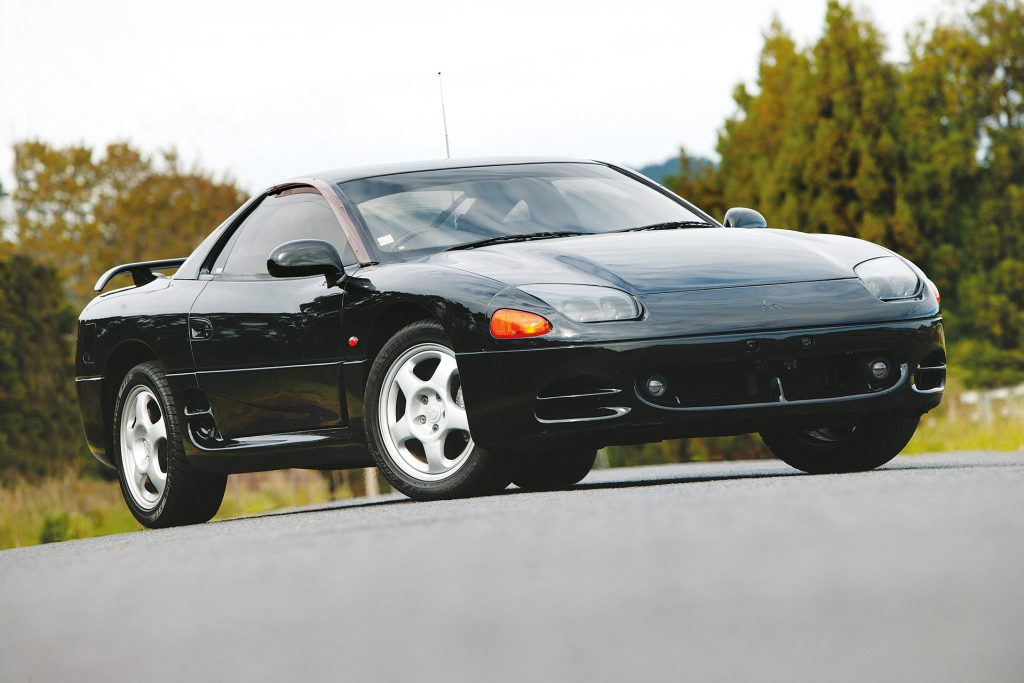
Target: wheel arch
391, 297
388, 322
122, 358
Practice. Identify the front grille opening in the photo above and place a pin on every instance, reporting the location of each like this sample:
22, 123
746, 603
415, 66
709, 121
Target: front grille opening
772, 380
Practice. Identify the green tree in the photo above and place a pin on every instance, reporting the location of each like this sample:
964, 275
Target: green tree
5, 241
815, 148
73, 215
698, 178
926, 158
963, 122
850, 158
751, 172
39, 426
83, 213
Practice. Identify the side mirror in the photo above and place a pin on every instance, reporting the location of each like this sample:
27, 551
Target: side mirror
739, 217
301, 258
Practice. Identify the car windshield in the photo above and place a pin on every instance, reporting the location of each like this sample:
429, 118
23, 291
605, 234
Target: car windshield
424, 211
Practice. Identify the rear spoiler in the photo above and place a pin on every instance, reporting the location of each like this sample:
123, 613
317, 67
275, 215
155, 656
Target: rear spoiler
141, 272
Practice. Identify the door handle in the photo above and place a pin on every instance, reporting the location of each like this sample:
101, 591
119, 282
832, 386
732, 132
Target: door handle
199, 329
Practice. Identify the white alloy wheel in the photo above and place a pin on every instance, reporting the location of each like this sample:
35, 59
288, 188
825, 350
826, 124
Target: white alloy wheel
144, 447
422, 414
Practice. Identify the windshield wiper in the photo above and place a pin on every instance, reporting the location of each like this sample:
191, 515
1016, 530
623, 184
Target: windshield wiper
671, 225
515, 238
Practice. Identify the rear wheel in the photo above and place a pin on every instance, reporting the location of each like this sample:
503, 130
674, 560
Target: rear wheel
844, 447
159, 485
417, 428
550, 471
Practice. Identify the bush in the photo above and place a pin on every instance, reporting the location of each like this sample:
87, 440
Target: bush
55, 527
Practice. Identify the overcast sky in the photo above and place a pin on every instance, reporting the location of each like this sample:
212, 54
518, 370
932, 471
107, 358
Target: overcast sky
269, 90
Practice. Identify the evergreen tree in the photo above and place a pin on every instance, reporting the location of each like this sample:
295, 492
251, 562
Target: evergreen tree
698, 178
963, 122
926, 158
40, 430
752, 172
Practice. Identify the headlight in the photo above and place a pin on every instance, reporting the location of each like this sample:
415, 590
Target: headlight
587, 303
888, 278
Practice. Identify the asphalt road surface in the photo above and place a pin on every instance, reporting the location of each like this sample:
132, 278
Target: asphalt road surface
721, 571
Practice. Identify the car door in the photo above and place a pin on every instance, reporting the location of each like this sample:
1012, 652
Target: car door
268, 350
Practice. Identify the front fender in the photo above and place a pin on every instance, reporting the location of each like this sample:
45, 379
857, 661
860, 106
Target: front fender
458, 300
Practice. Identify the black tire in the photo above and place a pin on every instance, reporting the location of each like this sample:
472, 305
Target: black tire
189, 496
856, 447
551, 471
482, 473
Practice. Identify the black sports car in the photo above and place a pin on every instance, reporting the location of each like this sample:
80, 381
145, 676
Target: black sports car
466, 324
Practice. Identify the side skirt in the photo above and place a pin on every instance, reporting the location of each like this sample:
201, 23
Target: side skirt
207, 449
320, 449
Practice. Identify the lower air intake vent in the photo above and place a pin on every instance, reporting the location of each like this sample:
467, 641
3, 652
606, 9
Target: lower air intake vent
930, 376
579, 399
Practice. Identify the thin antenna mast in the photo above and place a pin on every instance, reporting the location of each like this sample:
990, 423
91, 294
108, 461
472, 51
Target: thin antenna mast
444, 118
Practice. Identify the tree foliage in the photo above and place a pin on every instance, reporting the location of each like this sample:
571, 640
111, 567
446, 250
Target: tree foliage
39, 424
73, 214
925, 157
83, 213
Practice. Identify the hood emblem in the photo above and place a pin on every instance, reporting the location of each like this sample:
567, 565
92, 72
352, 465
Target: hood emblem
769, 306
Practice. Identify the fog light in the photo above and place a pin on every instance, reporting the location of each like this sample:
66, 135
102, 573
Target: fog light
879, 368
657, 386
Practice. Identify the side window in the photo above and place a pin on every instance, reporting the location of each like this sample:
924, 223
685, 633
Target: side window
297, 215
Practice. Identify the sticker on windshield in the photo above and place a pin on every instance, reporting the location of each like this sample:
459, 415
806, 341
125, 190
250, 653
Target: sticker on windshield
385, 240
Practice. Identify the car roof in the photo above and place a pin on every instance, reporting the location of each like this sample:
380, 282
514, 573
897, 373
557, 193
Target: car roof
360, 172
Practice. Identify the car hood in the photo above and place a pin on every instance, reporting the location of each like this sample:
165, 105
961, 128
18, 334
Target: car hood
669, 260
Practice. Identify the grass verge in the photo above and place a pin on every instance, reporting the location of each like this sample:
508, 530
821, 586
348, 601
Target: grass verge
69, 506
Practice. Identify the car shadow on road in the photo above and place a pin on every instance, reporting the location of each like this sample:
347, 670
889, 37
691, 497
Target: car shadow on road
398, 499
667, 481
916, 465
700, 478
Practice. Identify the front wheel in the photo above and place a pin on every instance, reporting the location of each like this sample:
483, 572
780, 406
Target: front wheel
159, 485
417, 428
855, 446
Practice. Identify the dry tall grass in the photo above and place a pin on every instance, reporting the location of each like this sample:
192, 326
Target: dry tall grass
69, 506
954, 426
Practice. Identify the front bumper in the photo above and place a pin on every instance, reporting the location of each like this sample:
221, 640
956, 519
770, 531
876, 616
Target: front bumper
592, 394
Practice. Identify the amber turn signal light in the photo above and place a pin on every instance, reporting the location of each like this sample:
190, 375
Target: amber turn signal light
507, 323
